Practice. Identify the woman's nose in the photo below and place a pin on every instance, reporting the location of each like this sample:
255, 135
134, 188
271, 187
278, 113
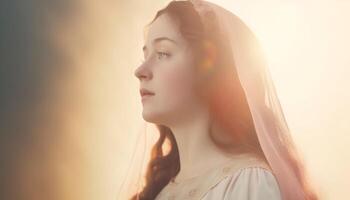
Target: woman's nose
142, 72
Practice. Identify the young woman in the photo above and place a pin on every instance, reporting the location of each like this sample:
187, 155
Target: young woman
205, 85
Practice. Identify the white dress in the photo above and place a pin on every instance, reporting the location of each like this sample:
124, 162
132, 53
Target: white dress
246, 178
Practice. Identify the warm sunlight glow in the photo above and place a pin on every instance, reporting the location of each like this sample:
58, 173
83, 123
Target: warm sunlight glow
96, 111
305, 44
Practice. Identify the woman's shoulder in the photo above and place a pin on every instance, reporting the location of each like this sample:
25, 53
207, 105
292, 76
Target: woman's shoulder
247, 178
243, 177
255, 183
247, 183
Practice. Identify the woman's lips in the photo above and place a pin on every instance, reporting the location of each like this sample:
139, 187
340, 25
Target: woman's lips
145, 94
144, 91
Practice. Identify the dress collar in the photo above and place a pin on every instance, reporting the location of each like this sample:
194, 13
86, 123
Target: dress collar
196, 187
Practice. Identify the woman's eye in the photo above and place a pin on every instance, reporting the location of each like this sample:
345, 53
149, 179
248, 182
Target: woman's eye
159, 54
162, 54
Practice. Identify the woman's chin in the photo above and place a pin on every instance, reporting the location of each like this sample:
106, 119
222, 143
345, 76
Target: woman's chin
150, 116
155, 117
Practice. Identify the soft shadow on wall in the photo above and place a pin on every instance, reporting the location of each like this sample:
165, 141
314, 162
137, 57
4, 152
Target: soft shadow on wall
68, 96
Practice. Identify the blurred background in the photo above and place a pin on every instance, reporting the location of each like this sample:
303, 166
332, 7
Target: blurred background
70, 108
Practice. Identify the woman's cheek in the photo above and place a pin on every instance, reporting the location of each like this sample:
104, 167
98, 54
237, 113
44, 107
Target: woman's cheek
177, 84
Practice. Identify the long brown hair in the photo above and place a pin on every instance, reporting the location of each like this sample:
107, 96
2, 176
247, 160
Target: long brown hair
219, 85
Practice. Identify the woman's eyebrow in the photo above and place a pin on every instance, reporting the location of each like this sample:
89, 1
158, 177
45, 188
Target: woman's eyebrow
144, 48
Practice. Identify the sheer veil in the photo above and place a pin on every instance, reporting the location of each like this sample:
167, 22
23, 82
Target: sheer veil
269, 121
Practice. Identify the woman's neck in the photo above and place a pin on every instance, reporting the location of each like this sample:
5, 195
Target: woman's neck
198, 153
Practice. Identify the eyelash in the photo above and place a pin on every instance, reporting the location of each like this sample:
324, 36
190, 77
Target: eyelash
159, 53
163, 53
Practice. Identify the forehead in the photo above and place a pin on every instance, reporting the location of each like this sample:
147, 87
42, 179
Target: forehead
163, 26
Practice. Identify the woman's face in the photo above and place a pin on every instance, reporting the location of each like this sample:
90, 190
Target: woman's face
168, 72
